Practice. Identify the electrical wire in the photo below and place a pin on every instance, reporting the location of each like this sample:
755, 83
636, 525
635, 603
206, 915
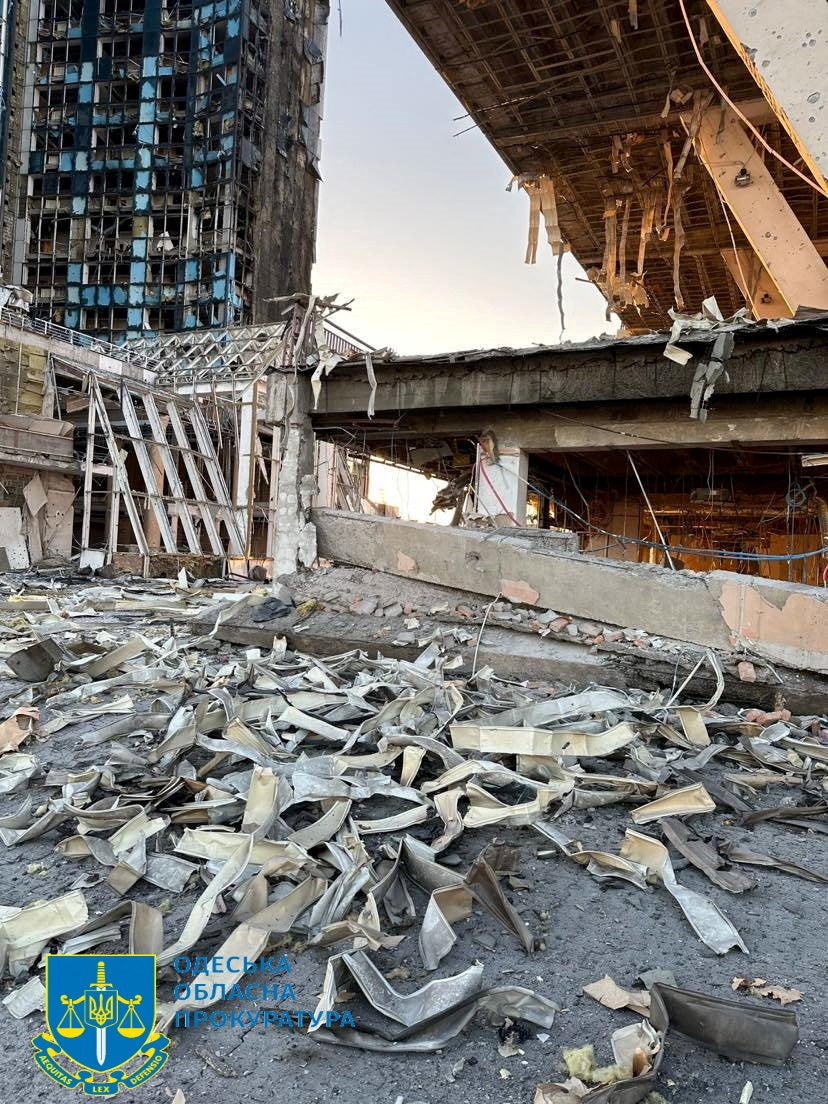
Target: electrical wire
742, 557
745, 284
821, 189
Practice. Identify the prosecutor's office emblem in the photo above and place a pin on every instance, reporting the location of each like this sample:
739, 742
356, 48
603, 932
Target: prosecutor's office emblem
100, 1019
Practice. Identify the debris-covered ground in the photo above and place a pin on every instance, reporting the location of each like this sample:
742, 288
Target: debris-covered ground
183, 796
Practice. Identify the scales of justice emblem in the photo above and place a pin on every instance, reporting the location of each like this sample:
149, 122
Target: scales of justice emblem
100, 1013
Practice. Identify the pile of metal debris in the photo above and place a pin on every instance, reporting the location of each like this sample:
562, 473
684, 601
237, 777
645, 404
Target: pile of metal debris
327, 805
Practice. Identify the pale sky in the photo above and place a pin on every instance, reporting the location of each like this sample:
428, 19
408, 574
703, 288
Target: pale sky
415, 224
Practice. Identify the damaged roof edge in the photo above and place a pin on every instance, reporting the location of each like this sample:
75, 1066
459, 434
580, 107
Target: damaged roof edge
815, 324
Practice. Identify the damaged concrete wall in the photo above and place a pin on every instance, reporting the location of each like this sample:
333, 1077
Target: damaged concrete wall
287, 186
783, 622
37, 512
48, 516
30, 445
789, 360
22, 369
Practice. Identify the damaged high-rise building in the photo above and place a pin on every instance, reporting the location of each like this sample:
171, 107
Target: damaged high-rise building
162, 163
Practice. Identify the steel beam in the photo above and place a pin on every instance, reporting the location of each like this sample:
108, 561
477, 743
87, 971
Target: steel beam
767, 221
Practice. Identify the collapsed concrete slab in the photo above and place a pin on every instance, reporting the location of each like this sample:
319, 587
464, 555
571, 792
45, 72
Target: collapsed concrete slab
782, 622
343, 608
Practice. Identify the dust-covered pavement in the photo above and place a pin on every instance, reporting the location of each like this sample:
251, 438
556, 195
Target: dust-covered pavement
583, 928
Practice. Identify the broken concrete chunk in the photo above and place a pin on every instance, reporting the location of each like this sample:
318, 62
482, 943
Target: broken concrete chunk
518, 590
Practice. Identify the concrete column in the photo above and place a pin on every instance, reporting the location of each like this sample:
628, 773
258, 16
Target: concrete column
248, 408
501, 486
295, 542
325, 474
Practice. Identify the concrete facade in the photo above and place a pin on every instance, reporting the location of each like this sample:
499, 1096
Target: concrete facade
764, 360
163, 153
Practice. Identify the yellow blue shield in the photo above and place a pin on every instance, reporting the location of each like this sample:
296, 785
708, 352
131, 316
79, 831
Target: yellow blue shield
100, 1013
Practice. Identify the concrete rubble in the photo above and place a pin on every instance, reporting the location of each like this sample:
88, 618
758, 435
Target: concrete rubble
379, 816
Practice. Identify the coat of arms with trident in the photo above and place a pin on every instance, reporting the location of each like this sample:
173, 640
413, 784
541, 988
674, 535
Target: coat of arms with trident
101, 1007
91, 1022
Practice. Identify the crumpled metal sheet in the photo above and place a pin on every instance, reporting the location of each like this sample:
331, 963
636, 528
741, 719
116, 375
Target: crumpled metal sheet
739, 1031
25, 932
707, 921
391, 890
556, 710
705, 858
446, 907
446, 806
17, 769
735, 853
246, 942
485, 808
483, 883
492, 740
600, 864
431, 1016
260, 766
686, 801
196, 922
145, 931
28, 998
